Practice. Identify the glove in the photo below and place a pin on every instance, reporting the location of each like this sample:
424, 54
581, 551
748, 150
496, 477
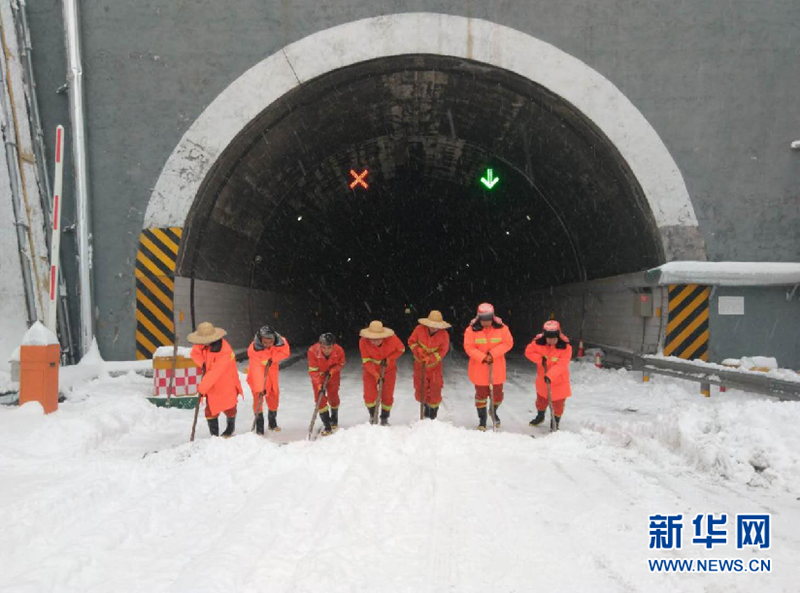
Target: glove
547, 380
489, 359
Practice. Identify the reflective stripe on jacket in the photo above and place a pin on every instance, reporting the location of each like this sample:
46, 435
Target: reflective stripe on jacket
478, 343
433, 347
220, 383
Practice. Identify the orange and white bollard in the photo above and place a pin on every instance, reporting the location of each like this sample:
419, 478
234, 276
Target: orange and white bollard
597, 361
705, 389
645, 377
580, 348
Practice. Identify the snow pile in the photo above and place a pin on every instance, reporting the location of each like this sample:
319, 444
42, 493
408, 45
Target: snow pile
14, 355
39, 335
167, 351
728, 273
87, 504
92, 366
748, 439
758, 362
749, 365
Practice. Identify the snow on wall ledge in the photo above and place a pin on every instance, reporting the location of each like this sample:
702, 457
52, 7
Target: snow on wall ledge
422, 33
726, 273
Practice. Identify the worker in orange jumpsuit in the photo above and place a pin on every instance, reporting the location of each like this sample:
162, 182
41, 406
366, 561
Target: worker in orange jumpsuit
220, 385
486, 342
380, 349
429, 343
551, 347
262, 376
326, 359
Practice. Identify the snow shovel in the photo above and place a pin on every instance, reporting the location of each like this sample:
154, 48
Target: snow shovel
553, 425
320, 393
376, 410
491, 398
196, 411
197, 408
422, 394
171, 386
262, 395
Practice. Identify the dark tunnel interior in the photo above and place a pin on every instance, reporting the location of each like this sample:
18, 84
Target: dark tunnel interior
278, 212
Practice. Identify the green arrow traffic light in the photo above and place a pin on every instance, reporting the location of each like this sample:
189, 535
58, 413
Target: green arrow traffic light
490, 180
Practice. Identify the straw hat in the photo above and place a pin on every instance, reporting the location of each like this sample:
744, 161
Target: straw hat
205, 334
376, 331
434, 320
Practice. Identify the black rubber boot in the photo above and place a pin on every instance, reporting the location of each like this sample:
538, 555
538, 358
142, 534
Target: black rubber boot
539, 418
496, 417
260, 423
482, 416
272, 421
426, 413
230, 426
432, 412
326, 423
385, 417
371, 414
213, 426
334, 418
558, 420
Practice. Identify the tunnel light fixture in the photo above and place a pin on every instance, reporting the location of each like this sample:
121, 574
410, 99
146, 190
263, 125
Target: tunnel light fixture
358, 179
489, 180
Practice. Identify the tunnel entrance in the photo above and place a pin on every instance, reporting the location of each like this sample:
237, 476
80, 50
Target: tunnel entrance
277, 212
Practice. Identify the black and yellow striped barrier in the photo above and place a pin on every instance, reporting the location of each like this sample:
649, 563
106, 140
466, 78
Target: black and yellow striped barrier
155, 289
687, 329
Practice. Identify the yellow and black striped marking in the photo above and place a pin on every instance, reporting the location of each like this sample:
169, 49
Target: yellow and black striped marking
687, 329
155, 289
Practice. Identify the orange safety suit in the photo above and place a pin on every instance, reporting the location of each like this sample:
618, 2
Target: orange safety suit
220, 384
557, 357
428, 351
318, 365
371, 357
478, 342
262, 381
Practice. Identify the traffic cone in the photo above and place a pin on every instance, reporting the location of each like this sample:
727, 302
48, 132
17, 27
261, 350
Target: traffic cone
597, 362
580, 348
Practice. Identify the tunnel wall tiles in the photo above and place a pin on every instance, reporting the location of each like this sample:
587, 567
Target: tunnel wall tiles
610, 315
240, 311
154, 273
768, 327
688, 326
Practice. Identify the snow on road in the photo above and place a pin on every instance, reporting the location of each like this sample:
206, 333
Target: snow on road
420, 506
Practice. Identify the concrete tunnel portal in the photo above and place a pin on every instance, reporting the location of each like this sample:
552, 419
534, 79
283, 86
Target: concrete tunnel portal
277, 214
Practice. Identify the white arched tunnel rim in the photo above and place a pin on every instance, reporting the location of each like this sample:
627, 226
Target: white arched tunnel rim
423, 33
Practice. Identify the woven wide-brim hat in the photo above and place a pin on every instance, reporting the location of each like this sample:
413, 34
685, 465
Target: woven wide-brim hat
376, 331
434, 320
206, 334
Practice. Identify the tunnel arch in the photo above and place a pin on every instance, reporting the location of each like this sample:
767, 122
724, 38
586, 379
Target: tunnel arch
214, 182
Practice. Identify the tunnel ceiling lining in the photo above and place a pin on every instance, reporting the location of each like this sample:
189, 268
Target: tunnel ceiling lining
569, 198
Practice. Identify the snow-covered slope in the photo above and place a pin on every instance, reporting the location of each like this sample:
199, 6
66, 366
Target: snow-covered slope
420, 506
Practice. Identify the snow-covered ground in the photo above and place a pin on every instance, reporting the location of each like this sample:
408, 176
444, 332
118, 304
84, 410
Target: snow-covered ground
420, 506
